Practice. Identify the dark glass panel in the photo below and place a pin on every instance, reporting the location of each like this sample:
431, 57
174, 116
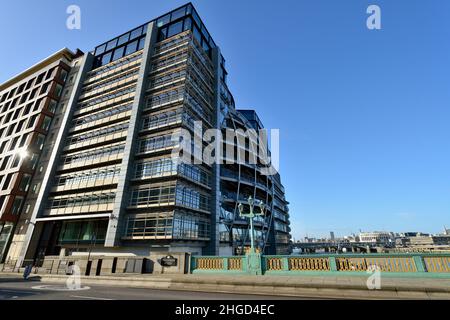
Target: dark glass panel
187, 24
118, 53
136, 33
131, 47
163, 21
141, 44
106, 59
111, 44
178, 14
174, 29
100, 49
123, 39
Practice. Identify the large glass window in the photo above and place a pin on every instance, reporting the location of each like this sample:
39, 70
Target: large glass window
175, 29
46, 123
17, 205
123, 39
100, 49
178, 13
136, 33
25, 183
118, 53
106, 58
111, 45
141, 44
90, 231
131, 47
163, 21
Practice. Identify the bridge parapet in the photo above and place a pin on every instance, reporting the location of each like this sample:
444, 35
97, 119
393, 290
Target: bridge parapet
415, 265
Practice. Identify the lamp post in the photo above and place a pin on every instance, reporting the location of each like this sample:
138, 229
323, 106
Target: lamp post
251, 215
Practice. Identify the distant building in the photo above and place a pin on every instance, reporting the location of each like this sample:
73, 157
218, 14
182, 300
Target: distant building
332, 236
380, 237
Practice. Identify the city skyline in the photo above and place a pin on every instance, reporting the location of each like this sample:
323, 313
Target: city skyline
369, 154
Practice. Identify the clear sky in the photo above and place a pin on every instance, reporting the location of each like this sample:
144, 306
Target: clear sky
364, 115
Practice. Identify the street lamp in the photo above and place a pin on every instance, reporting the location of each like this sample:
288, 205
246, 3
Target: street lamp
251, 215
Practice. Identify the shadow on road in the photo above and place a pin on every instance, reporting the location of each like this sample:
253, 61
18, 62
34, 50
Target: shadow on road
20, 279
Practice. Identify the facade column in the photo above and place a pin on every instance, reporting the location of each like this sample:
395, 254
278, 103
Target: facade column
123, 194
214, 242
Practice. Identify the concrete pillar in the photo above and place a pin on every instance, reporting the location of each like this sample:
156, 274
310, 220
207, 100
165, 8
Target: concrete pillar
116, 223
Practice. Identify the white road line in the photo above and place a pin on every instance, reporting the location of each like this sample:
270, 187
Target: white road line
90, 298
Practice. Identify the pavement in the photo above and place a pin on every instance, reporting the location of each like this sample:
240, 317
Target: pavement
231, 287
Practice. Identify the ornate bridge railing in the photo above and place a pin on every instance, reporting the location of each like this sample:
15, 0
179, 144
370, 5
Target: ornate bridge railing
236, 264
416, 264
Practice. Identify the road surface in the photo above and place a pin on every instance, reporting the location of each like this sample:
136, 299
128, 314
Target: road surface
16, 289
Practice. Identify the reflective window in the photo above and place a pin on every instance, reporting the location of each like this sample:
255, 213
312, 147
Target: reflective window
131, 47
141, 44
136, 33
100, 50
178, 13
111, 44
175, 29
118, 53
123, 39
164, 20
187, 24
106, 58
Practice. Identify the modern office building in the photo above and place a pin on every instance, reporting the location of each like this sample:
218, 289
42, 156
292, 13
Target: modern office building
108, 182
29, 118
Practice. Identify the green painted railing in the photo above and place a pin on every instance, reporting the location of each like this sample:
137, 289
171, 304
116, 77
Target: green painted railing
404, 264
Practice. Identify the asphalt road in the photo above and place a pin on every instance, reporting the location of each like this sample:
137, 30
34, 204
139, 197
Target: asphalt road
15, 289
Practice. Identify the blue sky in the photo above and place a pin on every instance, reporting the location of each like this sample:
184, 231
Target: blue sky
364, 115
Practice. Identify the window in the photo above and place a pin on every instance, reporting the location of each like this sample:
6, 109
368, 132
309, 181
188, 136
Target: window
175, 29
63, 75
58, 90
141, 44
17, 204
7, 181
25, 183
197, 35
187, 24
118, 53
123, 39
163, 21
33, 161
39, 142
106, 59
32, 121
100, 49
111, 45
136, 33
46, 123
23, 140
4, 163
52, 106
131, 47
179, 13
13, 144
16, 162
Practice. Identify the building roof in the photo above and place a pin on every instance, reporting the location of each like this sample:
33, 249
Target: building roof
63, 53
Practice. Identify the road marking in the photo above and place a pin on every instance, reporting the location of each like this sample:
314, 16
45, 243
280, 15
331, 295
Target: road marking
90, 298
